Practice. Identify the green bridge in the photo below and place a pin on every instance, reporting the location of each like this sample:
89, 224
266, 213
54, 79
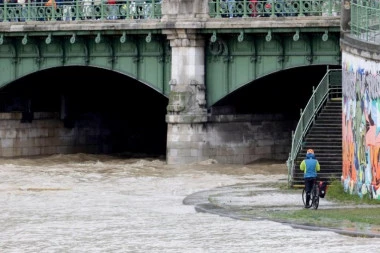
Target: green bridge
174, 72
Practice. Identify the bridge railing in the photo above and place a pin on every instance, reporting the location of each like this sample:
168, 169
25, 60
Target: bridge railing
273, 8
68, 10
365, 20
330, 86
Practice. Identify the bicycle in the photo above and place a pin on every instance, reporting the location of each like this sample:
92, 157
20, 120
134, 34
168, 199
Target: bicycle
314, 196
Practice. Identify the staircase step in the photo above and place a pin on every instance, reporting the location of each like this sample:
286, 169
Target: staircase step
320, 140
332, 121
335, 161
333, 111
327, 128
321, 175
332, 107
317, 132
320, 154
327, 145
325, 173
327, 124
325, 139
324, 134
332, 118
323, 148
328, 168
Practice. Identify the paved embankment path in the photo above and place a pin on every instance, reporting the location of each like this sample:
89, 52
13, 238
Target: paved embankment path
254, 200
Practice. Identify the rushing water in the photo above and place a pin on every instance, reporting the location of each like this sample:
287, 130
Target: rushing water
83, 203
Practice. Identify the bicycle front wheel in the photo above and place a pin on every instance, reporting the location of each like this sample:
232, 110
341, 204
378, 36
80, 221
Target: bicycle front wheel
315, 197
304, 197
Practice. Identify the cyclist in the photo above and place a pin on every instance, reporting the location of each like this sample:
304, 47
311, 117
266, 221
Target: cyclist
309, 166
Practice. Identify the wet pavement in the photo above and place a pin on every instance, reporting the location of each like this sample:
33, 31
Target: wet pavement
255, 200
84, 203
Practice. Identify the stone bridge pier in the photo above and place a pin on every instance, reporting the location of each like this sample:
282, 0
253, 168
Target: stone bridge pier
186, 111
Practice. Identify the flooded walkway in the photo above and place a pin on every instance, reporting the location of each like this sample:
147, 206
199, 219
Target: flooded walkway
86, 203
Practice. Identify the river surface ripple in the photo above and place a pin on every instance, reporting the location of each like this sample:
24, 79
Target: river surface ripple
85, 203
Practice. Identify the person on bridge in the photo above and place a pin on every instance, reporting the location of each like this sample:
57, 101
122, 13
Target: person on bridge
310, 166
231, 7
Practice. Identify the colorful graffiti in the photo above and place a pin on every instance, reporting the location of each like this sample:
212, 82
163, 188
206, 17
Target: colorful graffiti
361, 126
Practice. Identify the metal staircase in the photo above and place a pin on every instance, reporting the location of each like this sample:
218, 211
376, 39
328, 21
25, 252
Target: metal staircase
325, 138
319, 128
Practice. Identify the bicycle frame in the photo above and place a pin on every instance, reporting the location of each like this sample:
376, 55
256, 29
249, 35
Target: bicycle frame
314, 195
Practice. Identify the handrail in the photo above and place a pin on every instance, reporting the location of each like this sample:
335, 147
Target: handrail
329, 86
273, 8
365, 20
75, 10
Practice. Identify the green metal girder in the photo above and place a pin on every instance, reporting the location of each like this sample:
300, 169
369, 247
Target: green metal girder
274, 30
245, 57
144, 57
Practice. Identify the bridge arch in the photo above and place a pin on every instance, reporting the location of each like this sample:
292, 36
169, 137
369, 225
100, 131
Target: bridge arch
95, 113
144, 58
235, 60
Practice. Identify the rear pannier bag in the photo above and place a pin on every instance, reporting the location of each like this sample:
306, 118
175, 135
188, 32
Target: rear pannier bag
322, 189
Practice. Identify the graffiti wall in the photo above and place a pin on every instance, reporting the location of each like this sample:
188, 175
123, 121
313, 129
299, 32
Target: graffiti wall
361, 125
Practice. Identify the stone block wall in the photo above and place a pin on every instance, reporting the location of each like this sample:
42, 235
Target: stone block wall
230, 139
46, 135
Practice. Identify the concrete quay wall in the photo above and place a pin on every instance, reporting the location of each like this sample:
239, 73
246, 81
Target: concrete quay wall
230, 139
46, 135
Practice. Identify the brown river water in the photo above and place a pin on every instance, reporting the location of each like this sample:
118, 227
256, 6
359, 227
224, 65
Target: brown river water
95, 203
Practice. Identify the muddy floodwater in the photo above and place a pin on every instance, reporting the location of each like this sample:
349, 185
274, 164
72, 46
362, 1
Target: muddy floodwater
85, 203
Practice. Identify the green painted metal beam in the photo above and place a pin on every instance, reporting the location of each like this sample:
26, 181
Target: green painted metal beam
243, 58
144, 57
273, 29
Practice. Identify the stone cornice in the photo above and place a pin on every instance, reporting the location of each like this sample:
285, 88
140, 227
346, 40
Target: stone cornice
152, 24
184, 38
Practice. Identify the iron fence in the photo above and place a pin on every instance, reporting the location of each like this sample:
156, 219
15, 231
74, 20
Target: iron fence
365, 20
69, 10
273, 8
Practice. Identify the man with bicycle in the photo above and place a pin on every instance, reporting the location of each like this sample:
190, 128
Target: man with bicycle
309, 166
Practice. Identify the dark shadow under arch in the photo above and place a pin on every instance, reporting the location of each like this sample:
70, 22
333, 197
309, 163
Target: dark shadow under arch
284, 92
134, 112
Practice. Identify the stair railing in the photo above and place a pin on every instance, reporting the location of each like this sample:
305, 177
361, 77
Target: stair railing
330, 86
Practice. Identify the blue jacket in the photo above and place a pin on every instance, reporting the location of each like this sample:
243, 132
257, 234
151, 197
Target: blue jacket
310, 166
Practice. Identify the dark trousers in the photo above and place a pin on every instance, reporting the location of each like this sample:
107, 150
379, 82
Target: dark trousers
309, 182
